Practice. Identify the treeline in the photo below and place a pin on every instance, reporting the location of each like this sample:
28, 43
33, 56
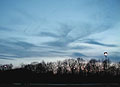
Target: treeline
67, 71
71, 66
76, 66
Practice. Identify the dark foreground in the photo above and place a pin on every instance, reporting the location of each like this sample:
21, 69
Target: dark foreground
25, 78
61, 85
41, 75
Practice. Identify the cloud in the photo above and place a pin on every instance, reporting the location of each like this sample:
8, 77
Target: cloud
6, 58
66, 34
25, 13
114, 56
25, 45
76, 54
61, 36
59, 52
5, 29
57, 43
69, 33
48, 34
81, 47
91, 41
19, 49
17, 43
48, 29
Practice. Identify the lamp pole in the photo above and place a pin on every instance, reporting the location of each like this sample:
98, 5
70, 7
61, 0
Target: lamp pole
105, 54
106, 58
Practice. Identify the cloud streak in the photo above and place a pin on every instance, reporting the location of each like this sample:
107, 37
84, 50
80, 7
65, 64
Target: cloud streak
76, 54
91, 41
5, 29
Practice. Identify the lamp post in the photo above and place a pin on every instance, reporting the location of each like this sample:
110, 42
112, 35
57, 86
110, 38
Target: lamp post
105, 54
106, 58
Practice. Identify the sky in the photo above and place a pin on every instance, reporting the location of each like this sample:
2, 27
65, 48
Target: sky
34, 30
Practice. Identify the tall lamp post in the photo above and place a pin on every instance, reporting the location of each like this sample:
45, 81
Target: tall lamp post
106, 58
105, 54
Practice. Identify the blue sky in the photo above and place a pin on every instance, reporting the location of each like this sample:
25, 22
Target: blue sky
51, 29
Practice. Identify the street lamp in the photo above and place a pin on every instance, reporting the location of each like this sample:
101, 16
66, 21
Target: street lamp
106, 59
105, 54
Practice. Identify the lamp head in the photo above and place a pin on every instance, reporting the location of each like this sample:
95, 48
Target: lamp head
105, 53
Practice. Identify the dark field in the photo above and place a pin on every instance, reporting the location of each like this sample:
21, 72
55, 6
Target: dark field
61, 85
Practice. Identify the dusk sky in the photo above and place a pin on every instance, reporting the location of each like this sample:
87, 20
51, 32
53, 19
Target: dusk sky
33, 30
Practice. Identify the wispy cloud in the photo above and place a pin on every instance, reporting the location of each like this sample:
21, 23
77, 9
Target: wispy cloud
114, 56
48, 28
76, 54
94, 42
4, 58
19, 48
48, 34
5, 29
81, 47
69, 34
